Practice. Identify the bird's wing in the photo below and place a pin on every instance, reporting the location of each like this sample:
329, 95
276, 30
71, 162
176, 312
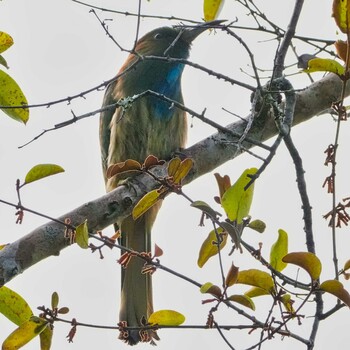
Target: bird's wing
105, 121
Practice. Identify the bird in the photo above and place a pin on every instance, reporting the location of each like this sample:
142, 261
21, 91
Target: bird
150, 126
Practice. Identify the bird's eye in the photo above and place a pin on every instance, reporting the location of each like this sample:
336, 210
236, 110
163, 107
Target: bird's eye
157, 36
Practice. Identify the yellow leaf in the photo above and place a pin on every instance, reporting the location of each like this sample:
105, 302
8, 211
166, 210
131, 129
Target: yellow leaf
210, 246
185, 167
307, 261
324, 65
256, 278
42, 170
243, 300
205, 287
256, 292
178, 169
146, 202
288, 302
173, 165
341, 14
6, 41
278, 250
46, 338
210, 288
346, 265
82, 235
24, 333
13, 306
166, 318
345, 268
12, 95
236, 201
337, 289
211, 9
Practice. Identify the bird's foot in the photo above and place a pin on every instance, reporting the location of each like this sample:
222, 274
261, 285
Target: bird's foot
180, 154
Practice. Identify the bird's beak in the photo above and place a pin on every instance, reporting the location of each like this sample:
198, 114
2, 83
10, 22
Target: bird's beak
191, 33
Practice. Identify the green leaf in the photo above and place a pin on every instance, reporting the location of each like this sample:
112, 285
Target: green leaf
6, 41
256, 278
42, 170
337, 289
205, 208
242, 300
3, 62
236, 201
63, 310
257, 225
12, 95
54, 300
234, 232
46, 338
307, 261
278, 250
166, 318
13, 306
82, 235
24, 333
210, 246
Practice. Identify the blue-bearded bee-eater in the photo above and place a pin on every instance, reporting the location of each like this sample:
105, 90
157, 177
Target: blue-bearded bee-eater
149, 126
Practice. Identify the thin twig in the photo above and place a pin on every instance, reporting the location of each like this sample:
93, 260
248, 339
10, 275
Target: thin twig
223, 336
251, 56
287, 38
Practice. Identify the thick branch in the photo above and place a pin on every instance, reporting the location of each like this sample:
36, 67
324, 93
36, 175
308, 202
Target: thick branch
212, 151
208, 154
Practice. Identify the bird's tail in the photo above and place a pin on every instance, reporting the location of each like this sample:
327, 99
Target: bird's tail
136, 287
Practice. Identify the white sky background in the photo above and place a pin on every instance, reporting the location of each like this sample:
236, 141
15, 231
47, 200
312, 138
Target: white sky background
60, 50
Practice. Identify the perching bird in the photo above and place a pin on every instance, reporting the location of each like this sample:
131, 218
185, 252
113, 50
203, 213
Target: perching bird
148, 126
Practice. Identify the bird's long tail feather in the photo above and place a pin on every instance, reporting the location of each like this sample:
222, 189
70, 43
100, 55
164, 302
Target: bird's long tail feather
136, 288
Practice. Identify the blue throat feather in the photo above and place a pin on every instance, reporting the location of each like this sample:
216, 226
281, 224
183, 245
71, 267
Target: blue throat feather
169, 87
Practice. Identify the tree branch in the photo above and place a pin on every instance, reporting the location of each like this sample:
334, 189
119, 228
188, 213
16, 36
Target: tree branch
208, 154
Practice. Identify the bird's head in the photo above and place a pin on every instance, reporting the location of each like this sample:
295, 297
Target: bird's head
162, 76
171, 41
